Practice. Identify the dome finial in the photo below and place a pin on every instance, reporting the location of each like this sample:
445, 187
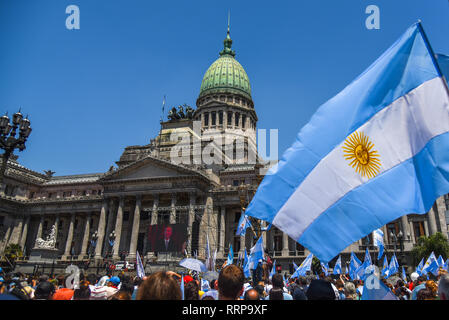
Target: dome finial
228, 41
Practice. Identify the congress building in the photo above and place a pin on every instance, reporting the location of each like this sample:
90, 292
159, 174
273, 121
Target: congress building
199, 172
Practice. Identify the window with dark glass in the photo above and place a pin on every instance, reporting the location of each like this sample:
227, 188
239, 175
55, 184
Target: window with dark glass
229, 118
214, 118
243, 121
220, 118
206, 119
237, 119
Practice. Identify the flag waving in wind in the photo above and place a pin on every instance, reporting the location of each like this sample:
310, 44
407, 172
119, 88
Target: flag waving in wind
139, 266
243, 224
373, 153
230, 256
378, 239
337, 267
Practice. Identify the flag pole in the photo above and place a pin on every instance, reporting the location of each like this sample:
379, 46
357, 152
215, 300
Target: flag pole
432, 54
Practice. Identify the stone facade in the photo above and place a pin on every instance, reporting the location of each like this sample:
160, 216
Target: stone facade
148, 187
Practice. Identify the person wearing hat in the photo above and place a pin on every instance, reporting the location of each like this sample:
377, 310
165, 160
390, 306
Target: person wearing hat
114, 282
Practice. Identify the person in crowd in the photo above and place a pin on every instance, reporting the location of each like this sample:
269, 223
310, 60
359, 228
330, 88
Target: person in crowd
44, 291
159, 286
278, 282
276, 294
83, 292
443, 287
320, 290
251, 294
420, 284
350, 291
191, 291
120, 295
340, 285
230, 283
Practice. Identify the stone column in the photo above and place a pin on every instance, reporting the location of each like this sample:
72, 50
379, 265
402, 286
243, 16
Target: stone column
86, 236
432, 221
39, 229
190, 221
56, 226
118, 228
154, 210
225, 119
222, 244
110, 225
101, 230
285, 250
173, 209
135, 228
6, 236
406, 232
16, 231
68, 243
24, 233
412, 233
441, 215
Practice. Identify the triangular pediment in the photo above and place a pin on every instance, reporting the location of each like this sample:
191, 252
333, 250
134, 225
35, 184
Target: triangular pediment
150, 168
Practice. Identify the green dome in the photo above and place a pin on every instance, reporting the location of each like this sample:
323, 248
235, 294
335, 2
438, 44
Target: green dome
226, 74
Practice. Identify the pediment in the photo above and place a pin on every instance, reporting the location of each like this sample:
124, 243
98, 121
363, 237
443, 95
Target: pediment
149, 168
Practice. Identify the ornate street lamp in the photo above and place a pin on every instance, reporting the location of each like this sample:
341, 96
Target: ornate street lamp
8, 139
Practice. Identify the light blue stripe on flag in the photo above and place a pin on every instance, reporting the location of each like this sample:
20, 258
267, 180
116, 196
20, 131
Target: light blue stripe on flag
326, 205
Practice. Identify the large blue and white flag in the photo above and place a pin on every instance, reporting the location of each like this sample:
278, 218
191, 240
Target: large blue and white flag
361, 271
305, 266
377, 291
230, 256
373, 153
337, 267
139, 266
243, 224
420, 266
378, 240
443, 61
256, 254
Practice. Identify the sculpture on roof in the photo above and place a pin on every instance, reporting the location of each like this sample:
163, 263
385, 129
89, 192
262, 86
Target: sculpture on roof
49, 173
183, 112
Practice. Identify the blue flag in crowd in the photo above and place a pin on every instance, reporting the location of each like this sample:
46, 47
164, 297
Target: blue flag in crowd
205, 285
354, 265
420, 266
325, 268
377, 290
378, 239
440, 261
273, 270
404, 276
385, 271
360, 272
337, 267
246, 271
256, 254
230, 256
305, 266
394, 266
431, 265
243, 224
294, 266
139, 266
322, 192
446, 264
182, 286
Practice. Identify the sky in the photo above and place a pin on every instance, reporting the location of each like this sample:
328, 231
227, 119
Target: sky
91, 92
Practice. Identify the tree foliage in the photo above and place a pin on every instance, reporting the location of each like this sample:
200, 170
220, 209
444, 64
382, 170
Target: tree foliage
13, 251
436, 243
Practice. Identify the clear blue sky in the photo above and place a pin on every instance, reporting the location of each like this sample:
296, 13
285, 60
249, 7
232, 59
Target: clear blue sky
91, 92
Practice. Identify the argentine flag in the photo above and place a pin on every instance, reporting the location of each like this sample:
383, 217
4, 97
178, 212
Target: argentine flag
378, 240
420, 266
246, 271
243, 224
305, 266
385, 269
376, 151
273, 270
337, 267
230, 256
256, 254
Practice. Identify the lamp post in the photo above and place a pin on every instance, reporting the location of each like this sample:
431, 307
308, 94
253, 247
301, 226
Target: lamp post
8, 140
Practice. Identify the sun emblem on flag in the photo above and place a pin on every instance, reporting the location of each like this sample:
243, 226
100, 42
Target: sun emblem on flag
359, 150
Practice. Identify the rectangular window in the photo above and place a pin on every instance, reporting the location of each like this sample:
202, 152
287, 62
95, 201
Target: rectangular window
243, 121
418, 228
214, 118
229, 118
237, 119
220, 118
206, 119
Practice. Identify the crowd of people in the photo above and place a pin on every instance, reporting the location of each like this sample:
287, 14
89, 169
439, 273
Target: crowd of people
230, 285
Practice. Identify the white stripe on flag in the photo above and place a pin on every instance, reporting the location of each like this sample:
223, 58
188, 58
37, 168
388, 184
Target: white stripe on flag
398, 132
